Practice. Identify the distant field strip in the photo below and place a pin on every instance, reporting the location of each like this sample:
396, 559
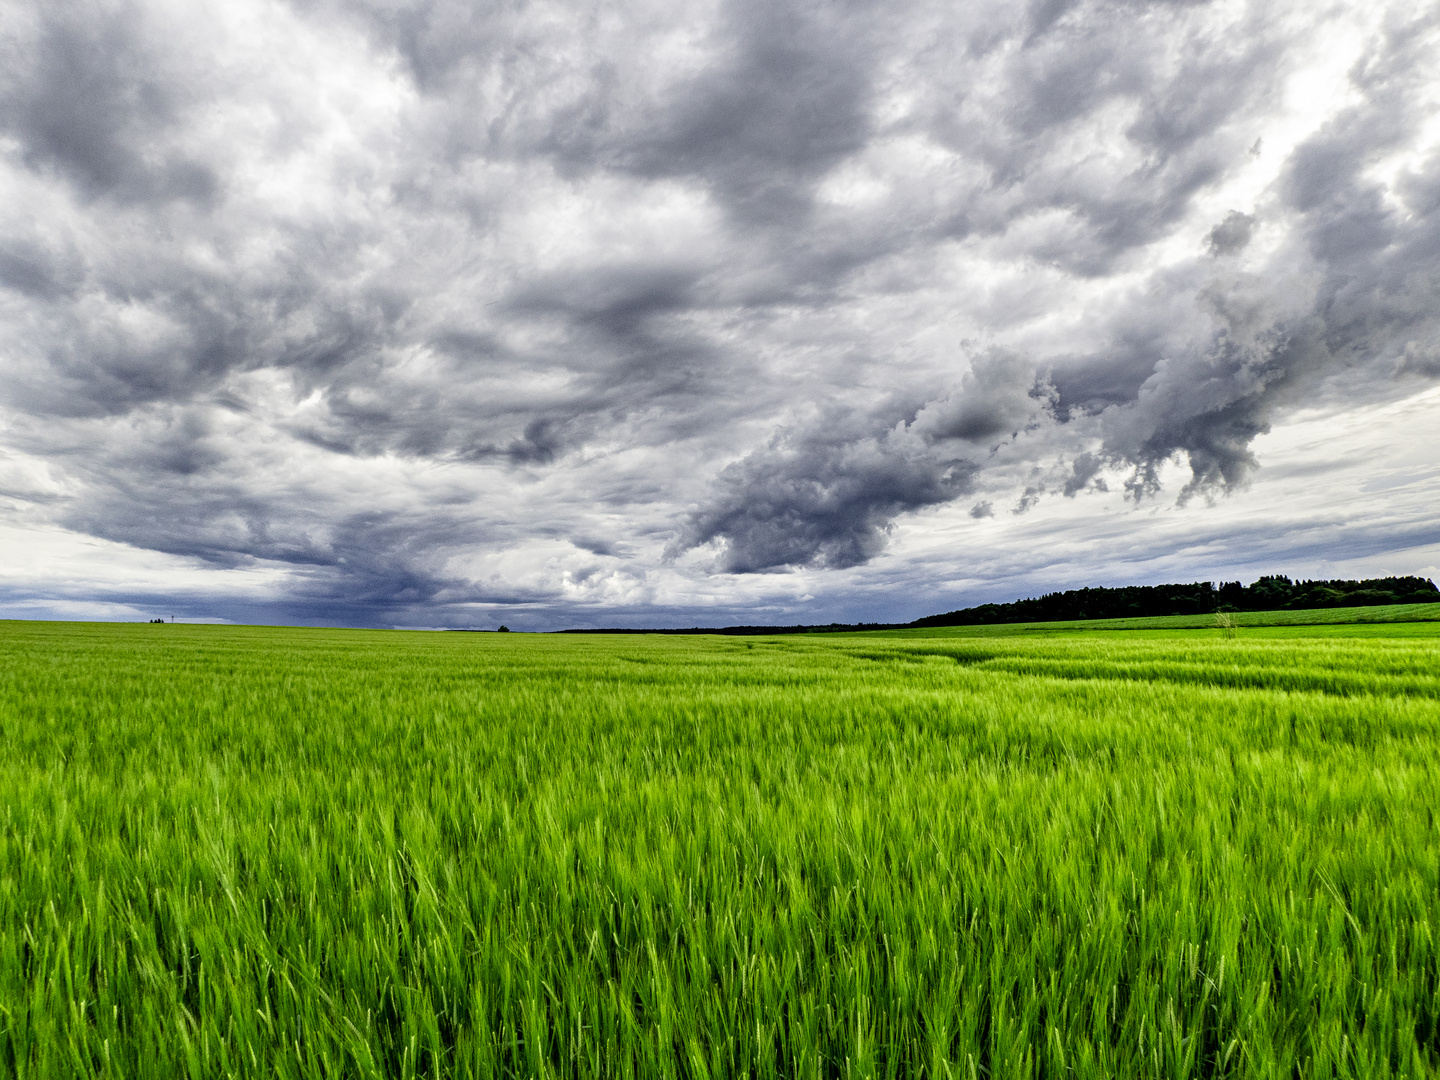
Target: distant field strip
232, 851
1364, 667
1351, 616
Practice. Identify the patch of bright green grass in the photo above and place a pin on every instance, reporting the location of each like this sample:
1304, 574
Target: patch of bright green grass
258, 852
1350, 616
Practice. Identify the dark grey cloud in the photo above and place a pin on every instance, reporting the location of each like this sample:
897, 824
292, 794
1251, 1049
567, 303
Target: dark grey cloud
824, 496
1084, 471
828, 493
91, 100
1232, 234
429, 303
788, 100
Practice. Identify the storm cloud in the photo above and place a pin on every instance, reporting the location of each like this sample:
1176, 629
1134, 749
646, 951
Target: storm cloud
417, 311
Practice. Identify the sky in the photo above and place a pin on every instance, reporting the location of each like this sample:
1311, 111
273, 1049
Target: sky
434, 313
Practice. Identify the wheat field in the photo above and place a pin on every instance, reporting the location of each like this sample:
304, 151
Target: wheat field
230, 851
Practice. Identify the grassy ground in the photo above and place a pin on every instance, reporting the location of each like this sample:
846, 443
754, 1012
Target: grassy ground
259, 852
1387, 615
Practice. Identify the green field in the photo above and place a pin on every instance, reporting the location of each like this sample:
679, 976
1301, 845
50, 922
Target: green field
1352, 617
1158, 852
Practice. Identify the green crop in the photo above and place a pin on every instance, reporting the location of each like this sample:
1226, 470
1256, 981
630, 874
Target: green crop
298, 853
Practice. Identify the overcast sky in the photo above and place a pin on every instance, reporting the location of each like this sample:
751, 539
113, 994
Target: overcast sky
444, 313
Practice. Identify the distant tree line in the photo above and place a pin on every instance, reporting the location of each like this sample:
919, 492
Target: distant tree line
1272, 593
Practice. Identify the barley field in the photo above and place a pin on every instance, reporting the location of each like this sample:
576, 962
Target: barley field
250, 852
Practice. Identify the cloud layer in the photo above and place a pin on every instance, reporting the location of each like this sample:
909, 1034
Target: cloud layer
421, 311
